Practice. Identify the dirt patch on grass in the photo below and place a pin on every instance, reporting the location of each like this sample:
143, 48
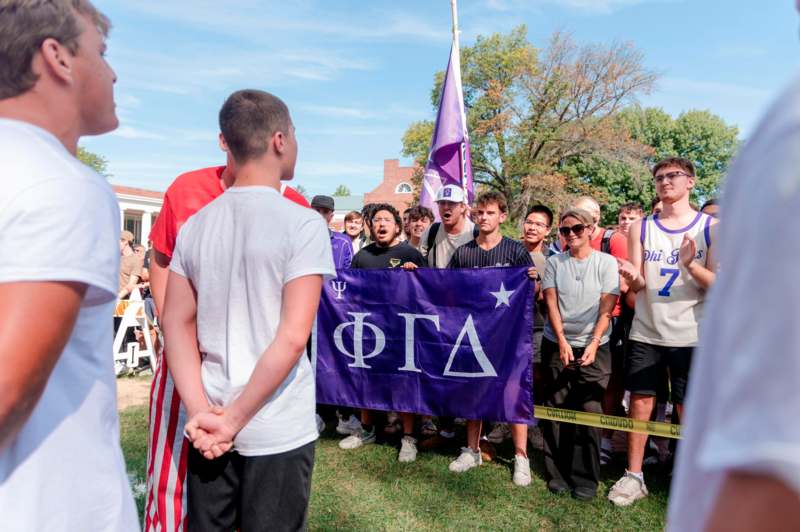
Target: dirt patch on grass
132, 391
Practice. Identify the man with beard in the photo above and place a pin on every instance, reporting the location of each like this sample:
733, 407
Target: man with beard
386, 251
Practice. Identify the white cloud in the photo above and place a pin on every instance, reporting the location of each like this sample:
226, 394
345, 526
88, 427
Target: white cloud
337, 169
604, 7
712, 88
337, 112
130, 132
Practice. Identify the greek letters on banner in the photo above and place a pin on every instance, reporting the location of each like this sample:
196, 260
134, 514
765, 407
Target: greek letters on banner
442, 342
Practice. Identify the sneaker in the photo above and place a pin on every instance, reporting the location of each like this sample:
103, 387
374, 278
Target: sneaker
320, 424
557, 486
500, 433
429, 427
535, 437
466, 460
408, 449
354, 441
522, 471
584, 494
627, 490
349, 426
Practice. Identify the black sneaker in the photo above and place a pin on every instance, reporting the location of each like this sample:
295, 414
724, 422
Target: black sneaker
583, 493
557, 486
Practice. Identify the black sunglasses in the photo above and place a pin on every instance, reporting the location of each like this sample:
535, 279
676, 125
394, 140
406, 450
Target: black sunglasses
577, 229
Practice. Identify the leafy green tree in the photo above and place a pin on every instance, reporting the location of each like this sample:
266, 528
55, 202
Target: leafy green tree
97, 162
341, 190
301, 190
530, 111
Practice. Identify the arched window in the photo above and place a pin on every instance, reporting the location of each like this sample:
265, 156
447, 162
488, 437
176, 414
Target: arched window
403, 188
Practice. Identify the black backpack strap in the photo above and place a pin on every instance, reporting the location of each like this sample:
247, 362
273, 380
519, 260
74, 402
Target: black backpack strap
605, 244
434, 228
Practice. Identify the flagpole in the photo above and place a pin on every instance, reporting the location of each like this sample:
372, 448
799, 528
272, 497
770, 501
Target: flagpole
454, 9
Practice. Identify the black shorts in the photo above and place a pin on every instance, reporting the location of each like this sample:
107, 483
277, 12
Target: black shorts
645, 364
236, 492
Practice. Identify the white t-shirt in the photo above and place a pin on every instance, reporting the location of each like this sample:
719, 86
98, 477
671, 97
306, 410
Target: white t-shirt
743, 393
444, 244
239, 251
59, 221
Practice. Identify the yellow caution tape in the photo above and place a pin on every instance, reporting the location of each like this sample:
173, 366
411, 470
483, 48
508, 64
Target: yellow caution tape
652, 428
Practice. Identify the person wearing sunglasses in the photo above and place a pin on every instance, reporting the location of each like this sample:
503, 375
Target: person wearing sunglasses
671, 267
581, 287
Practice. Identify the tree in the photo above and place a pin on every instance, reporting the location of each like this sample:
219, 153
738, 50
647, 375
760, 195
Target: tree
530, 113
341, 190
96, 162
301, 190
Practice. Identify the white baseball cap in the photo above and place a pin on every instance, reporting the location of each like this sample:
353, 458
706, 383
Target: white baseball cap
452, 193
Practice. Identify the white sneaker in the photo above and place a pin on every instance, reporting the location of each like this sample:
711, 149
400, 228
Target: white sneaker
354, 441
466, 460
500, 433
627, 490
408, 449
522, 471
349, 426
320, 424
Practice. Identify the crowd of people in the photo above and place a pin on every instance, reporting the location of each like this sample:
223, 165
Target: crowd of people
591, 345
236, 276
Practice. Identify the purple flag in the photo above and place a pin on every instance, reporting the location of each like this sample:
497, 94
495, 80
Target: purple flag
440, 342
449, 156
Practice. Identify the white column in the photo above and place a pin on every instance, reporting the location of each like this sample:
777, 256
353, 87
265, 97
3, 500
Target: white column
147, 217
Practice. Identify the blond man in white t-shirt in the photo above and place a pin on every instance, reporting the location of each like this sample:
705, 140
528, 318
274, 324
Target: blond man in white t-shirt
61, 466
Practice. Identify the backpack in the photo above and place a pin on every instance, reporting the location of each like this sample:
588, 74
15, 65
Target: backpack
605, 244
432, 232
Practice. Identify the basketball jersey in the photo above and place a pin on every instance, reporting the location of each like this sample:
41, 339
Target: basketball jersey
670, 306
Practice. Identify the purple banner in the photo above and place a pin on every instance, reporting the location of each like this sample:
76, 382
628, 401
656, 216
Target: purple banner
449, 156
440, 342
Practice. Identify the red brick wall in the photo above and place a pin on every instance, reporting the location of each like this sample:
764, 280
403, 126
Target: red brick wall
393, 175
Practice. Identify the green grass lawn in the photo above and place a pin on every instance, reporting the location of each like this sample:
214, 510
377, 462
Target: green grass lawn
367, 489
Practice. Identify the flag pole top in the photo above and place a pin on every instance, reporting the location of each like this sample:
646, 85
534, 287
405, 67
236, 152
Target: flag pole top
454, 10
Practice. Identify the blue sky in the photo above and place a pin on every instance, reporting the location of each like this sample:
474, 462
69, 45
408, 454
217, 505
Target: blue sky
355, 73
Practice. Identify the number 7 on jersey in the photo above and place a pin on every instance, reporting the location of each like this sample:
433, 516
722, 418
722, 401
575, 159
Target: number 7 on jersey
673, 276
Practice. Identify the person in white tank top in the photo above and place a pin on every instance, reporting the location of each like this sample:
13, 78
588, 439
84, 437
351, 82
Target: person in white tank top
671, 267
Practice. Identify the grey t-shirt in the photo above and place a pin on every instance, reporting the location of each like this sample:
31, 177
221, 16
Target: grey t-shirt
579, 285
444, 244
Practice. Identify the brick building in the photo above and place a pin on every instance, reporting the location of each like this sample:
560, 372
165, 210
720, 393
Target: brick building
396, 188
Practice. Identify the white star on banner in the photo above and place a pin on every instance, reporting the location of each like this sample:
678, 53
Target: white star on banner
502, 296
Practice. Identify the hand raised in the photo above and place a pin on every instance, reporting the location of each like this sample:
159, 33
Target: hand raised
627, 270
688, 250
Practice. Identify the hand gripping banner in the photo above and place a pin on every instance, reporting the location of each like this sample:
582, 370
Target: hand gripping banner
441, 342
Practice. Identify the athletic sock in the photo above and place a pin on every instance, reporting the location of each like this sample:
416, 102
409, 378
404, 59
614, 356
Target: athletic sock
639, 475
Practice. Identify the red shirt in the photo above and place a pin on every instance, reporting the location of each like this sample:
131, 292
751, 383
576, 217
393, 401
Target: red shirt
618, 248
189, 193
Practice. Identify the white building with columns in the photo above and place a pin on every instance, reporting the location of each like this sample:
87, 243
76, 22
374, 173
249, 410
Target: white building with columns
138, 210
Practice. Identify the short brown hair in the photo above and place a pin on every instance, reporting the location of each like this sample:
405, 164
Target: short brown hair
24, 26
493, 197
631, 207
418, 212
248, 119
684, 164
352, 215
